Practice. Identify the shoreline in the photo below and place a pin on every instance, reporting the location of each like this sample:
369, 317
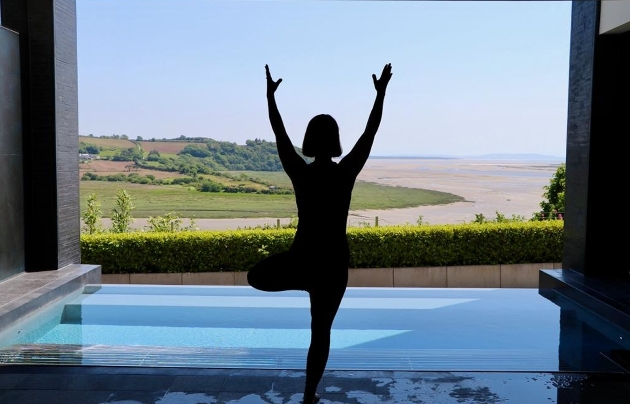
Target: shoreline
511, 187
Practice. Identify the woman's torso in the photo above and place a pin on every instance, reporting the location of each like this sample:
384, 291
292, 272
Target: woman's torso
323, 192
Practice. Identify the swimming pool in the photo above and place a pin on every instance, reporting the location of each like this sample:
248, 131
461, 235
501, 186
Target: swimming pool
239, 327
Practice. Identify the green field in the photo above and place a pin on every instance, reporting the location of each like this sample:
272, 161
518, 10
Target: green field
156, 200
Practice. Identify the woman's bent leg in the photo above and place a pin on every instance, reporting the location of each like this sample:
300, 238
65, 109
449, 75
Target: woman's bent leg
277, 273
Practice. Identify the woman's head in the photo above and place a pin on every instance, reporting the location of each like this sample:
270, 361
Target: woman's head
322, 137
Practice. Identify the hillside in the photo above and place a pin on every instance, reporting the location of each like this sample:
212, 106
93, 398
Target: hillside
202, 164
189, 156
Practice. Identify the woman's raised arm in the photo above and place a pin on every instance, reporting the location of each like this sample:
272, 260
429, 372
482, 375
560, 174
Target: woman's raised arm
288, 156
355, 160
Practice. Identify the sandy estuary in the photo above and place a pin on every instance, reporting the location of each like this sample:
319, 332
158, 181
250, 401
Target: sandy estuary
511, 187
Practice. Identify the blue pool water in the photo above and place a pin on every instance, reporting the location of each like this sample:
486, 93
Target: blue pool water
380, 328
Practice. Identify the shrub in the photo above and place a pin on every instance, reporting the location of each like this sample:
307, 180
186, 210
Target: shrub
88, 176
193, 251
211, 186
553, 206
182, 180
170, 222
374, 247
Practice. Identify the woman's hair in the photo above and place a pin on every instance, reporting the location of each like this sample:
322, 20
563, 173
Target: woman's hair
322, 137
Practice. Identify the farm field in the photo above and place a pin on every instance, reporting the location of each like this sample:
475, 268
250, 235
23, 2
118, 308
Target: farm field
108, 143
106, 167
156, 200
164, 148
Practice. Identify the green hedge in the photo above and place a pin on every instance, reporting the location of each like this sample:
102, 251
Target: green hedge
468, 244
377, 247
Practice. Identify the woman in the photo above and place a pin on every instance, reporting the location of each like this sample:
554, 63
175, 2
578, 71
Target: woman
317, 261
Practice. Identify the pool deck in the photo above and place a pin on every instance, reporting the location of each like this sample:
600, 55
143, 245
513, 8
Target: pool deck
96, 385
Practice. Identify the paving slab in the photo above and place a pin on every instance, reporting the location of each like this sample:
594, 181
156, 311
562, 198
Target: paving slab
125, 385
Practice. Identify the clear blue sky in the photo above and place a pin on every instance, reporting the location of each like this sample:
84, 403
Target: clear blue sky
469, 78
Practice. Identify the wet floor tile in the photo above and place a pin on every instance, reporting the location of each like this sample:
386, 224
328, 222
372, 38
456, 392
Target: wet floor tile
46, 382
53, 397
197, 384
135, 397
255, 384
122, 382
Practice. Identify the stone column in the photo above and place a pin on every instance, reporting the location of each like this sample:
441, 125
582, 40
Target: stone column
48, 58
11, 191
598, 123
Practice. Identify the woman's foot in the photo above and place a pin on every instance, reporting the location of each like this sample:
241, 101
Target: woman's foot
314, 400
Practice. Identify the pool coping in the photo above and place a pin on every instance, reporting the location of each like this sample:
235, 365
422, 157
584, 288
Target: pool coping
25, 293
462, 276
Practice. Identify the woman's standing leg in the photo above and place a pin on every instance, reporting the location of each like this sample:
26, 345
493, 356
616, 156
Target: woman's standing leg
324, 305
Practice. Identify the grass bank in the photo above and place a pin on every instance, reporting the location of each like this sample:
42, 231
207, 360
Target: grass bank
153, 200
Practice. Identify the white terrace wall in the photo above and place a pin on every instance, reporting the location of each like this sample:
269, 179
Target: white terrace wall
614, 17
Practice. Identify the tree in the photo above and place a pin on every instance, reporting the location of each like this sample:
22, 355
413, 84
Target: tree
553, 206
88, 148
92, 215
92, 149
154, 155
196, 150
129, 154
121, 213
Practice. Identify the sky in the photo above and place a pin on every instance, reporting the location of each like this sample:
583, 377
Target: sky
469, 78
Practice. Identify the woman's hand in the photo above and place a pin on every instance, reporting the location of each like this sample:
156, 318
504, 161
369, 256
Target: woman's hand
379, 84
272, 86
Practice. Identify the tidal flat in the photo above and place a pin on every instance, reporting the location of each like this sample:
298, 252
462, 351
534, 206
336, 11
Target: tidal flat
510, 187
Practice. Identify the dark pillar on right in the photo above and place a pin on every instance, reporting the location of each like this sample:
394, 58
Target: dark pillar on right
593, 287
598, 126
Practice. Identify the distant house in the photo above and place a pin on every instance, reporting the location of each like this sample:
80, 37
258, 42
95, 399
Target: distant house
87, 156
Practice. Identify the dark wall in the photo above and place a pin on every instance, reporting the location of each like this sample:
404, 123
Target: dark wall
598, 126
11, 191
610, 129
583, 32
47, 30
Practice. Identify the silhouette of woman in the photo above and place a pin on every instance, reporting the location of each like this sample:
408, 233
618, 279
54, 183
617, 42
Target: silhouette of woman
317, 261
